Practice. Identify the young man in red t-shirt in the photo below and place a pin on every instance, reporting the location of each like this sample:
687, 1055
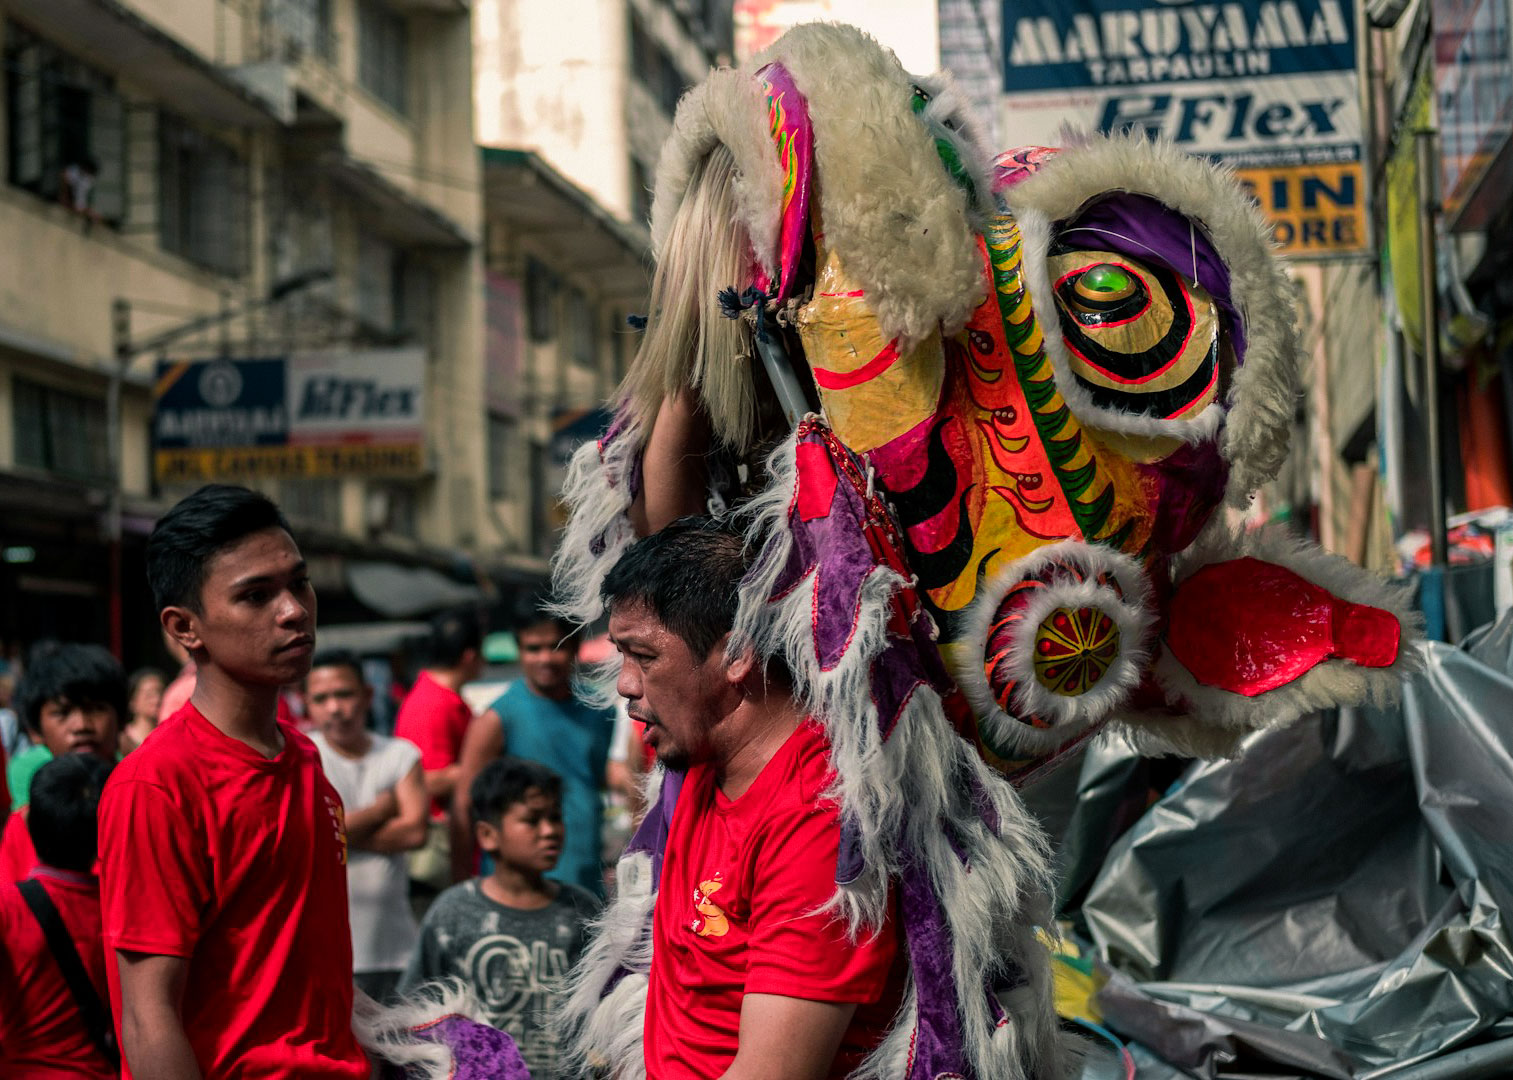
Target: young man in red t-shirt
747, 980
72, 700
223, 880
43, 1031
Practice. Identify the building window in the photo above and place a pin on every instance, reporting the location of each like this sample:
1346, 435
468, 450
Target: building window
506, 460
394, 508
67, 128
541, 289
301, 28
378, 282
582, 333
202, 197
315, 499
653, 68
61, 432
383, 55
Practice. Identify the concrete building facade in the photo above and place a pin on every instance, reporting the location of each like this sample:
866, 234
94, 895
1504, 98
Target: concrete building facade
228, 180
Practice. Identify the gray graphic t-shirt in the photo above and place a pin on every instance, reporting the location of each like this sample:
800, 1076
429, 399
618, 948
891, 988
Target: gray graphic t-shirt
515, 961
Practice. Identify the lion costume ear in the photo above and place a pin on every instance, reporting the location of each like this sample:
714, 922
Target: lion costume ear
889, 206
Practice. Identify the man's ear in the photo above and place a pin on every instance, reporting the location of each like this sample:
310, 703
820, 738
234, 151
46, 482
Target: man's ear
180, 625
738, 668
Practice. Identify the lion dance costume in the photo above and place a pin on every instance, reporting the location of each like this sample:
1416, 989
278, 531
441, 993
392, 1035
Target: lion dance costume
983, 417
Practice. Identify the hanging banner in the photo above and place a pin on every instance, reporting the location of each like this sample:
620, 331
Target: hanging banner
323, 414
1269, 88
1404, 205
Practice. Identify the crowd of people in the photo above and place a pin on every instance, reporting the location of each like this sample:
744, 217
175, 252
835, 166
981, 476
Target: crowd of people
170, 904
200, 880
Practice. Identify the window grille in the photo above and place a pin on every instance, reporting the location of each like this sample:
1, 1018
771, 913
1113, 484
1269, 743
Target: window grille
383, 61
202, 198
62, 115
59, 431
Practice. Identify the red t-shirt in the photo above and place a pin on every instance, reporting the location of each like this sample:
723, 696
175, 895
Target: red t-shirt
236, 862
434, 719
42, 1035
17, 856
741, 880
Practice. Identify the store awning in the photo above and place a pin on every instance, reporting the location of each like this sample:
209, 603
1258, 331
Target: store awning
408, 592
373, 639
526, 195
403, 218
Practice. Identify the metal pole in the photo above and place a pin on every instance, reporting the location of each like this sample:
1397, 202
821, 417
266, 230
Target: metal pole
121, 339
1428, 285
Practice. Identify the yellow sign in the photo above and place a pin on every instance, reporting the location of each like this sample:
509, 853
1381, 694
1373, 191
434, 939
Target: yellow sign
1314, 210
180, 467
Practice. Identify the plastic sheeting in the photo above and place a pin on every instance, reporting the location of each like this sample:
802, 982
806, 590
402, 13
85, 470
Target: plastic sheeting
1331, 903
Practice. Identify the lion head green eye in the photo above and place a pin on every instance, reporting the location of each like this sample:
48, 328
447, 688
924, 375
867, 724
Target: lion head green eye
1106, 278
1104, 288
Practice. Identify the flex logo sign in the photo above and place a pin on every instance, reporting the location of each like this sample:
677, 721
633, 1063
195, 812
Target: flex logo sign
334, 399
1226, 118
1267, 86
373, 395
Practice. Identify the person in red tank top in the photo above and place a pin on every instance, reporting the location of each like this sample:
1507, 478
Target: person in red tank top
223, 847
749, 978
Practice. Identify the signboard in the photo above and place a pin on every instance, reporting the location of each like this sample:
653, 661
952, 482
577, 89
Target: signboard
1473, 91
346, 413
1268, 87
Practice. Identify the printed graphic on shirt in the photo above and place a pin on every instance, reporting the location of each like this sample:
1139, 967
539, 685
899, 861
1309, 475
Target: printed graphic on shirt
516, 983
711, 920
338, 824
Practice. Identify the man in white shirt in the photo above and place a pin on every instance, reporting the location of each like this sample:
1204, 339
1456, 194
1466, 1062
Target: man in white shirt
383, 791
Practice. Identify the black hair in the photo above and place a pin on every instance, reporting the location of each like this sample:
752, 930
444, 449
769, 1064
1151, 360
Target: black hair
688, 574
200, 525
452, 634
141, 675
508, 780
73, 674
538, 611
340, 658
64, 805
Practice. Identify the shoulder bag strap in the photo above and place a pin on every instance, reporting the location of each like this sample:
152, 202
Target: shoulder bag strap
96, 1018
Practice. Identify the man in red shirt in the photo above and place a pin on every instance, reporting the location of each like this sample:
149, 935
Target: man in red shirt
43, 1031
223, 880
435, 718
748, 979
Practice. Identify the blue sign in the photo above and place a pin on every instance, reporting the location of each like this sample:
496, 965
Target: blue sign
1059, 45
221, 403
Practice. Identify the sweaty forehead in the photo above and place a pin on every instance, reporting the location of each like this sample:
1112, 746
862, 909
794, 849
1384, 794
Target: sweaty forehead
635, 620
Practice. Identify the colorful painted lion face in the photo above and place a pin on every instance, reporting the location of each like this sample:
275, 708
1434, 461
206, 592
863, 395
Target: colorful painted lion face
1055, 365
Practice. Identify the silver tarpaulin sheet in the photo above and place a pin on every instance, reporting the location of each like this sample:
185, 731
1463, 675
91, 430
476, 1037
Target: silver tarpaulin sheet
1333, 903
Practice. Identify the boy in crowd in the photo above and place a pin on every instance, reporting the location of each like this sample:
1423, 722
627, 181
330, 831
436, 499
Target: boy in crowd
72, 701
511, 935
379, 781
435, 718
223, 851
541, 719
46, 1031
